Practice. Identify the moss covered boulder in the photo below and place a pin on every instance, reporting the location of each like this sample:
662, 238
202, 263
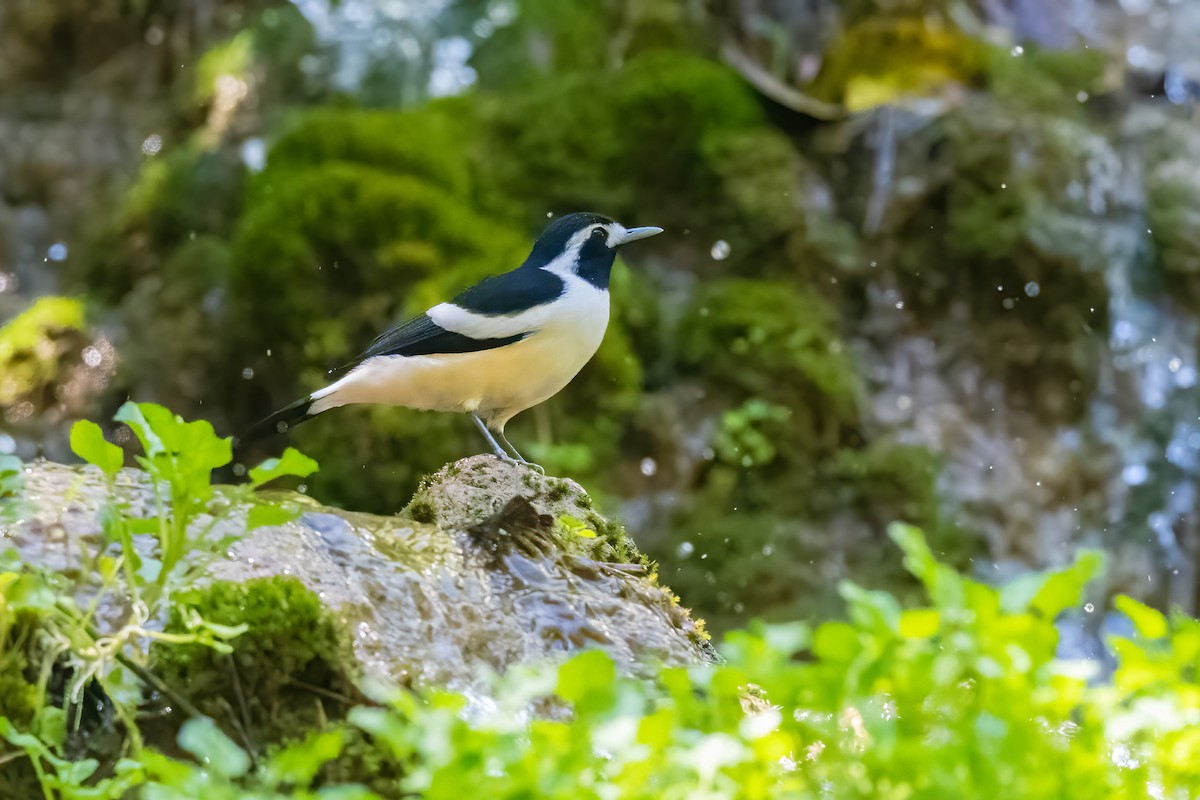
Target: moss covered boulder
491, 565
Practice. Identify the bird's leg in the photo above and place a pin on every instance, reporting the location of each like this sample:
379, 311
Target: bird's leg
496, 448
516, 453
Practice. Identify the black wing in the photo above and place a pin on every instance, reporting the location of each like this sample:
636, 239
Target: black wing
421, 336
511, 293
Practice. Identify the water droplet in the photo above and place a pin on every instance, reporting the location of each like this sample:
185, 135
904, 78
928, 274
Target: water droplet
1175, 364
58, 251
1082, 96
768, 549
152, 144
1018, 51
720, 250
649, 466
1089, 608
247, 373
1135, 474
92, 357
685, 549
1032, 289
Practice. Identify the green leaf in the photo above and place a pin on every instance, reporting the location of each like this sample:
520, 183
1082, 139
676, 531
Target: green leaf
200, 445
586, 681
574, 526
1148, 621
787, 638
918, 558
299, 763
292, 462
836, 642
26, 741
12, 472
346, 792
50, 725
1017, 595
71, 774
87, 442
134, 415
920, 623
873, 610
202, 738
945, 586
270, 514
1064, 588
29, 592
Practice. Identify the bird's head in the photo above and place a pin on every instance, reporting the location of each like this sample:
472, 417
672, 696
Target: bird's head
583, 245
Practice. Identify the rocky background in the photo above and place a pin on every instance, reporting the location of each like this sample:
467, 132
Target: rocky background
929, 261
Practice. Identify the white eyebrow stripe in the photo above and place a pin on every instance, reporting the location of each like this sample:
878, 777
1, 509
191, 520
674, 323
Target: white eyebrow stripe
615, 230
457, 319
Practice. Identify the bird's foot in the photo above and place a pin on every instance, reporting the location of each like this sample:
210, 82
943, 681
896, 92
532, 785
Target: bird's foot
505, 457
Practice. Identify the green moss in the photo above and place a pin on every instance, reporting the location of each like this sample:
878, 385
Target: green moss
19, 695
591, 130
1047, 80
1173, 217
559, 489
893, 481
421, 510
35, 344
620, 547
887, 57
428, 144
284, 672
777, 342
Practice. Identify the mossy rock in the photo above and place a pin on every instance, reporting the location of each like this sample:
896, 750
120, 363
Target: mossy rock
493, 564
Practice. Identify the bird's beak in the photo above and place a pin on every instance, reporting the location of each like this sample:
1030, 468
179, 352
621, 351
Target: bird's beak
633, 234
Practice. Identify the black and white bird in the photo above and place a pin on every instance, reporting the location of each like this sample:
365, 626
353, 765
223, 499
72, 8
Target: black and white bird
504, 345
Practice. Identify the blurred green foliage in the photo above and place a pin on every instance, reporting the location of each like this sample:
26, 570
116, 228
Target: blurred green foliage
34, 346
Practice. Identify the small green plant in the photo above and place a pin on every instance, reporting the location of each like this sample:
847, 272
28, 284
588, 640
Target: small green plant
573, 526
178, 458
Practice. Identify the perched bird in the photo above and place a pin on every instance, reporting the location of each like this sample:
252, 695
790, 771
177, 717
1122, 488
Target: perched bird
502, 346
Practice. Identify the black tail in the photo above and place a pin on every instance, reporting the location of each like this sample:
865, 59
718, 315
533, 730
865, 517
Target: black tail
279, 422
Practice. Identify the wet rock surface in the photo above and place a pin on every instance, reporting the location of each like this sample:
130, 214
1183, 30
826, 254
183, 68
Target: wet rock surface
488, 567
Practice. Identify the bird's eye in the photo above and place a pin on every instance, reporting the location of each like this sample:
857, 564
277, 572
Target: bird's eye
600, 233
